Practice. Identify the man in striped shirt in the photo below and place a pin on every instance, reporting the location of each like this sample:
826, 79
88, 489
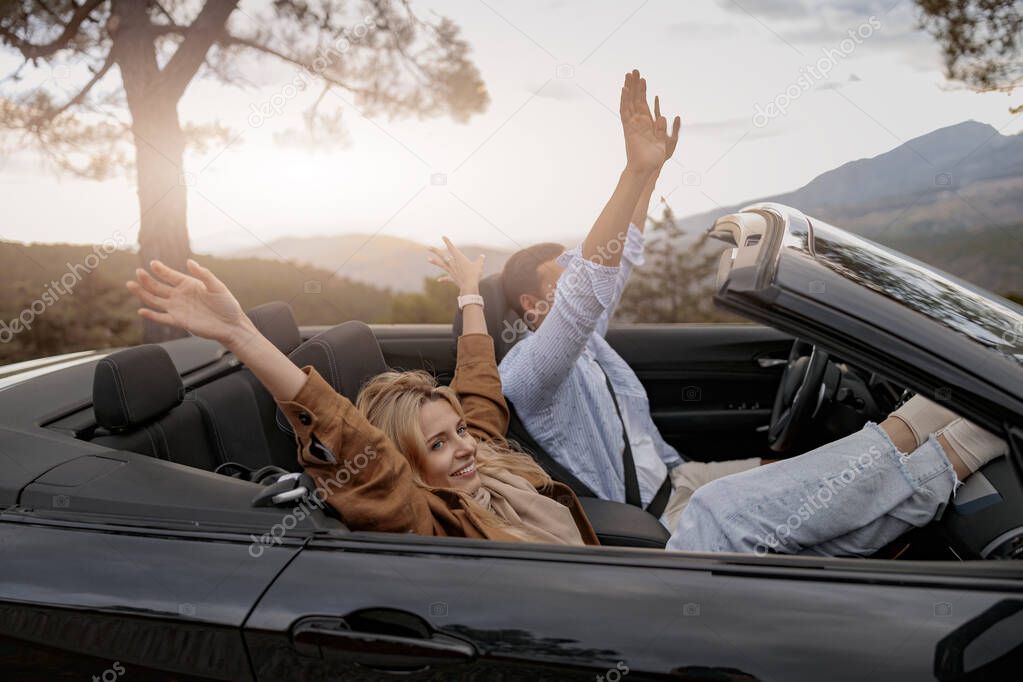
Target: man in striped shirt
576, 396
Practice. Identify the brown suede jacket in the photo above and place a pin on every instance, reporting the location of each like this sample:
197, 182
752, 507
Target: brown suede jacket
364, 476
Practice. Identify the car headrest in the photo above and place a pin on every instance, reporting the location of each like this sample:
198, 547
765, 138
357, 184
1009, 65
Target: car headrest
276, 321
346, 356
133, 386
503, 324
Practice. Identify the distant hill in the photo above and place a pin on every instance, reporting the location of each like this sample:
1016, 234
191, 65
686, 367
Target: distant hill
381, 260
914, 186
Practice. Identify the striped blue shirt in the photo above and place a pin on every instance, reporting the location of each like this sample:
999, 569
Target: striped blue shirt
553, 379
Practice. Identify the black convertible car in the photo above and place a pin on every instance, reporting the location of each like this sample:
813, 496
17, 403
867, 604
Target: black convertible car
137, 540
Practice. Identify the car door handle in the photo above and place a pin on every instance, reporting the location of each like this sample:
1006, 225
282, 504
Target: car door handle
335, 639
771, 362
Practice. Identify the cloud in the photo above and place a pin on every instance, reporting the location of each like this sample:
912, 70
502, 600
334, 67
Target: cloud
772, 9
827, 22
803, 9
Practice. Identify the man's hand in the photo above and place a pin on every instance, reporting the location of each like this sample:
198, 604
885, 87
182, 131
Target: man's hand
639, 214
646, 140
670, 142
646, 147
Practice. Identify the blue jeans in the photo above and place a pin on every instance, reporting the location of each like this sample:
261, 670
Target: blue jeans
849, 497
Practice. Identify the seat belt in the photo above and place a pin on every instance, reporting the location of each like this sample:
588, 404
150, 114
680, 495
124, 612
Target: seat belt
663, 494
660, 501
628, 464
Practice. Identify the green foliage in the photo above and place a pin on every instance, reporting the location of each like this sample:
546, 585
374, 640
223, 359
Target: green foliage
677, 282
435, 304
96, 311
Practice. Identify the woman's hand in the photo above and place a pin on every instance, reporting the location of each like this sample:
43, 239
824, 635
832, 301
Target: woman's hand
199, 304
465, 273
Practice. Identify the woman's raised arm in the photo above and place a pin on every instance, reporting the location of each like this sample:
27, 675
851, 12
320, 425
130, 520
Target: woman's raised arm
466, 275
200, 304
335, 442
476, 381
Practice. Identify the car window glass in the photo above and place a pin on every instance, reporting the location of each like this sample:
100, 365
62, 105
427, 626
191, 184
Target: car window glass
984, 317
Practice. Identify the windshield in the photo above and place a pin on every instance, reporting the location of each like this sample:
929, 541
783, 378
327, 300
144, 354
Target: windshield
984, 317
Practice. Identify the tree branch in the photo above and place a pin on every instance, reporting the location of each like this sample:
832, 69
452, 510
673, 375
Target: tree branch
80, 97
13, 76
232, 40
49, 11
205, 31
31, 51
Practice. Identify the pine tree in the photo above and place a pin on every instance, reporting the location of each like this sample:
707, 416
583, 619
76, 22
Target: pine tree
676, 284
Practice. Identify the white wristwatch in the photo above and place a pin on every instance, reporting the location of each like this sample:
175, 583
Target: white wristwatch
469, 299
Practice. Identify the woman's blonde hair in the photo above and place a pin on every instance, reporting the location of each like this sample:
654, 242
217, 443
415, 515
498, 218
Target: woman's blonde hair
391, 402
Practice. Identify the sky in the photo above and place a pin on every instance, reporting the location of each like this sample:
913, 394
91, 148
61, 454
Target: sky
847, 79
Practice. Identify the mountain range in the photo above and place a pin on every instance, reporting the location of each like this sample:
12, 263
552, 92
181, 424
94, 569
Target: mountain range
952, 197
381, 260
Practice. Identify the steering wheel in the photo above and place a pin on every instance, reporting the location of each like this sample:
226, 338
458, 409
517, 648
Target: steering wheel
797, 395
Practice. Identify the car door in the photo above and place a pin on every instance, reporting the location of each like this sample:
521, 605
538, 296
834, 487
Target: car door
96, 601
375, 606
711, 386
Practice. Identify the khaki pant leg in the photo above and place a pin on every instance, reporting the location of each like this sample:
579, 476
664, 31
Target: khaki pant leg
688, 476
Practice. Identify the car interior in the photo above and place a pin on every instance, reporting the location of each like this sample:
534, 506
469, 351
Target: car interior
736, 391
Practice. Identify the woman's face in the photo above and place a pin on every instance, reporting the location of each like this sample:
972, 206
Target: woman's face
450, 448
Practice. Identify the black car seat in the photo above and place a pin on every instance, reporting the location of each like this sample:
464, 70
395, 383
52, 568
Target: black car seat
240, 412
138, 401
346, 356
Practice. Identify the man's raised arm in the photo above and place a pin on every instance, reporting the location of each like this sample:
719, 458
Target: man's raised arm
644, 154
632, 246
587, 287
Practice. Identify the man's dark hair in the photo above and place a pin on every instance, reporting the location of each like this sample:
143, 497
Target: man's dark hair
520, 274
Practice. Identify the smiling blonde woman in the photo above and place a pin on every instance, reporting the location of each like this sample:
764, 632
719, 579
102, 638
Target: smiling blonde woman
428, 424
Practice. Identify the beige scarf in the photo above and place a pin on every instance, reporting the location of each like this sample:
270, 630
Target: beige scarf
534, 517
